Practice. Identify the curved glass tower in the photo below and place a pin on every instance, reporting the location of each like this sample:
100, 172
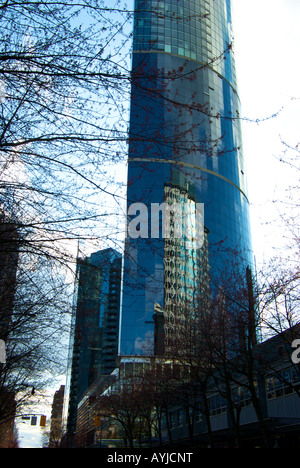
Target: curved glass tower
185, 144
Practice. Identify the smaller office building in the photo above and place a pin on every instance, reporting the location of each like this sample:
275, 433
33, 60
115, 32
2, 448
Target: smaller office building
272, 420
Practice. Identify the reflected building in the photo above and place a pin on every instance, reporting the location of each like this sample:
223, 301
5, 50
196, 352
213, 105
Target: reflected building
186, 275
185, 141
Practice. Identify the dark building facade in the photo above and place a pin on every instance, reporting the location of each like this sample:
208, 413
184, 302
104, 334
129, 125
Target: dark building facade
56, 418
235, 419
94, 426
185, 144
95, 328
9, 256
217, 409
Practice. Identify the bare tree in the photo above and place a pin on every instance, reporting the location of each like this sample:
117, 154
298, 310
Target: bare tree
122, 404
62, 83
64, 92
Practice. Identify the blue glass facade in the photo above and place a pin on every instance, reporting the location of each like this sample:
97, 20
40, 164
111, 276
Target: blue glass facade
185, 133
95, 326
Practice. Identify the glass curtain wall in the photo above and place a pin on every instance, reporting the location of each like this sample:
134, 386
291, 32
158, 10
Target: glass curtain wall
185, 133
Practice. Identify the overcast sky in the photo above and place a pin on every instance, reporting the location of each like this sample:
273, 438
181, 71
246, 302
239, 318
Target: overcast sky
267, 43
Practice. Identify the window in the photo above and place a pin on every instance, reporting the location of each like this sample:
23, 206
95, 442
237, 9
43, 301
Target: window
217, 405
242, 396
283, 383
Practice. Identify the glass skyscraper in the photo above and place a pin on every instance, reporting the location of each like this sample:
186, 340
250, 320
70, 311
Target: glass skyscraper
185, 143
94, 334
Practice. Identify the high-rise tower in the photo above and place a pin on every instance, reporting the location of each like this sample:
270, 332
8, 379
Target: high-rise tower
185, 143
94, 329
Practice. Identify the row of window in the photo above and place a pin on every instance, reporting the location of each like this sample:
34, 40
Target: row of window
283, 384
286, 383
200, 32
